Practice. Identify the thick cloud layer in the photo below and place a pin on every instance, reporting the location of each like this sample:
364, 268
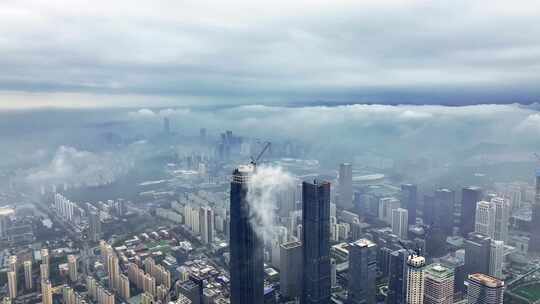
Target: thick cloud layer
84, 53
79, 168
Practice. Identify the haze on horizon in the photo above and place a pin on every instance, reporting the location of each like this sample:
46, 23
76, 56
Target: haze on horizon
170, 53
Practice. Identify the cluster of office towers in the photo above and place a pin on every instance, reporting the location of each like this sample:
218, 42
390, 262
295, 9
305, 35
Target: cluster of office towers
246, 246
410, 279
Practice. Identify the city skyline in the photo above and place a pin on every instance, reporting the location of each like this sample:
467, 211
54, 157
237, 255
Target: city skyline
269, 152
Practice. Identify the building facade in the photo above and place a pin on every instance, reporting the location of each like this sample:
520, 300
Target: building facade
534, 241
469, 197
345, 186
484, 289
439, 284
246, 248
316, 278
362, 272
409, 199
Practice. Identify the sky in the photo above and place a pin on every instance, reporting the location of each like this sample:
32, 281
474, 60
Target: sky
77, 53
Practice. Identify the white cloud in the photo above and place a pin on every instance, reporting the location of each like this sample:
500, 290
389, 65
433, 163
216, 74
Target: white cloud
530, 125
76, 167
187, 52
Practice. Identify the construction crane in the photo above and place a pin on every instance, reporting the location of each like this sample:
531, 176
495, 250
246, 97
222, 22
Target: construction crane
255, 160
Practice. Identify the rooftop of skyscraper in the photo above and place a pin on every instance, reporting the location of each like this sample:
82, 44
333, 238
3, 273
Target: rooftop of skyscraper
416, 261
439, 271
486, 280
363, 243
292, 244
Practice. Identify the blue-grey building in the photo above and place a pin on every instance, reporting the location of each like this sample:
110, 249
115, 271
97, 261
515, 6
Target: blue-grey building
246, 248
409, 197
534, 241
397, 281
362, 272
469, 197
316, 242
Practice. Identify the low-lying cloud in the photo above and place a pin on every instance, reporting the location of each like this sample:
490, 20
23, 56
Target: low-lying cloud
79, 168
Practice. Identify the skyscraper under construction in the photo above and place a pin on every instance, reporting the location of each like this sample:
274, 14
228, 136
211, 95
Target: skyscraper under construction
247, 269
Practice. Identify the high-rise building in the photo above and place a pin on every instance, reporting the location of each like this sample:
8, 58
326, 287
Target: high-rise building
484, 289
345, 186
496, 259
534, 241
415, 279
113, 271
469, 197
409, 198
124, 287
68, 295
44, 253
206, 222
386, 205
333, 273
444, 201
149, 284
279, 237
247, 257
477, 253
362, 272
44, 271
72, 267
485, 218
12, 284
94, 226
12, 264
397, 277
502, 218
5, 214
428, 211
290, 276
46, 292
400, 225
316, 242
439, 284
28, 281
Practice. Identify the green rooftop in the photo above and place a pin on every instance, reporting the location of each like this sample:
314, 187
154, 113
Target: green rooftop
438, 271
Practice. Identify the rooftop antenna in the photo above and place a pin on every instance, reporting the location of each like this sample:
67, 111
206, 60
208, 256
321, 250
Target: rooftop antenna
255, 160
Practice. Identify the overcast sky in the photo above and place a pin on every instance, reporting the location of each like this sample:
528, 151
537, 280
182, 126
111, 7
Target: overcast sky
152, 53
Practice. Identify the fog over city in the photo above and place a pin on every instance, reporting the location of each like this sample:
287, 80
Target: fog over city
269, 152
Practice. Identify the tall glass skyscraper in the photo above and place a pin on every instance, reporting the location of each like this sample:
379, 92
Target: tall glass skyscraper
409, 197
345, 186
469, 197
534, 242
362, 272
316, 242
247, 268
397, 277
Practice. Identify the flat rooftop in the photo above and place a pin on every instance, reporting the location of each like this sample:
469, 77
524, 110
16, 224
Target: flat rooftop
290, 245
486, 280
363, 243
